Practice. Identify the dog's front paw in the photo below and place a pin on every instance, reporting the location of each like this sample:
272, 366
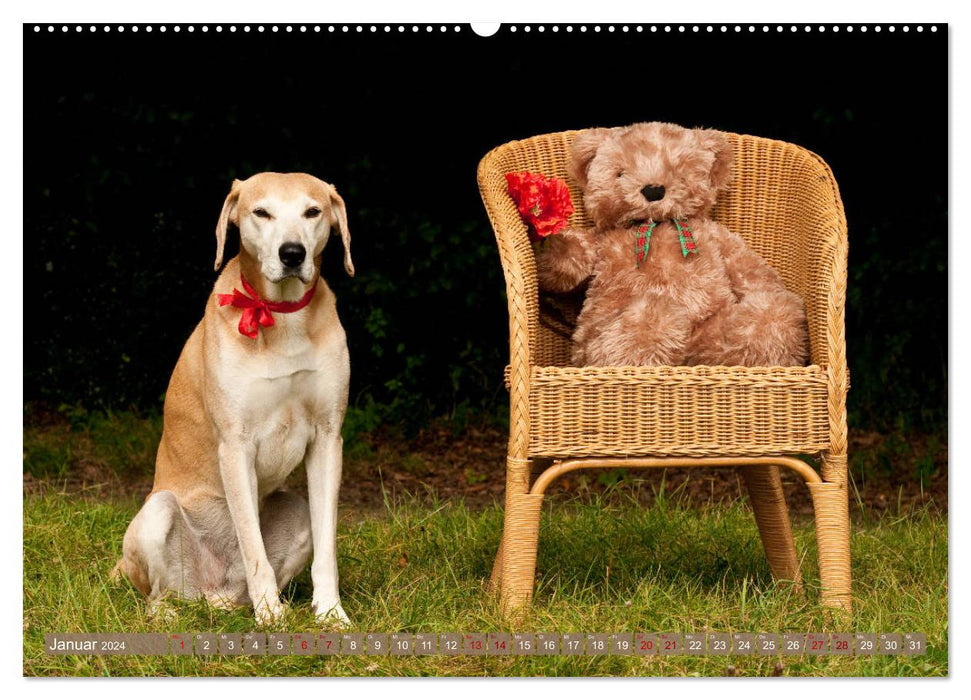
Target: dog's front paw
269, 610
331, 615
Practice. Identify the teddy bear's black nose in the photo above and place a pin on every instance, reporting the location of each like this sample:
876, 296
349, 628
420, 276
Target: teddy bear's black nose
653, 193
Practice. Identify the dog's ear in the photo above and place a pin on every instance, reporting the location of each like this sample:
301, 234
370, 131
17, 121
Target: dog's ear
721, 168
228, 214
584, 148
340, 213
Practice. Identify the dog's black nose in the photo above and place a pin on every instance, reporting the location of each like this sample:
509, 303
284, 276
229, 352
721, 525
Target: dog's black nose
292, 254
653, 193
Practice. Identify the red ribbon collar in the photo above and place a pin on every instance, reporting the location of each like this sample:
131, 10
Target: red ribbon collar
258, 312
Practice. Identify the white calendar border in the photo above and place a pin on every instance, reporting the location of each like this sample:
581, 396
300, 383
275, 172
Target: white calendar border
11, 285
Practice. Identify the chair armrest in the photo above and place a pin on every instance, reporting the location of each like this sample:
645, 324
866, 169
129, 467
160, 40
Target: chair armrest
820, 239
522, 297
515, 253
827, 328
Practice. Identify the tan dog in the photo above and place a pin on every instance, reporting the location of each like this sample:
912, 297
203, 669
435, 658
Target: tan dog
258, 390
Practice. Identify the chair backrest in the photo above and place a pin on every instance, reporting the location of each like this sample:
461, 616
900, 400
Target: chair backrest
783, 200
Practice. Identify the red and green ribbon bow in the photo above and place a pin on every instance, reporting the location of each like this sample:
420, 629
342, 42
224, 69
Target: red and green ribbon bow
684, 235
258, 312
642, 238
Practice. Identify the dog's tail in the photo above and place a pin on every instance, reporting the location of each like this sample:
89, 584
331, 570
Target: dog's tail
118, 571
133, 572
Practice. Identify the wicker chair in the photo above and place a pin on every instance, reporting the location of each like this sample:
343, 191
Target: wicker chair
785, 203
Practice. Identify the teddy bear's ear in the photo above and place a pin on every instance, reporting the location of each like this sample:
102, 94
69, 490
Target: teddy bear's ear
721, 169
584, 148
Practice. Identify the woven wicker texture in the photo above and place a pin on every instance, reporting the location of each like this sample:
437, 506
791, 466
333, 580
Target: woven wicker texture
784, 202
772, 516
617, 411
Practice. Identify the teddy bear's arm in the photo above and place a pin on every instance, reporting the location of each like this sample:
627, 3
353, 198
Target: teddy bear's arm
565, 260
747, 271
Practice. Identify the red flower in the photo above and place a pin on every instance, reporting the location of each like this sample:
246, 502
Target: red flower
544, 203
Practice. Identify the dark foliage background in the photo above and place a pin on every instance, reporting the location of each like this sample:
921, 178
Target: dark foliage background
132, 140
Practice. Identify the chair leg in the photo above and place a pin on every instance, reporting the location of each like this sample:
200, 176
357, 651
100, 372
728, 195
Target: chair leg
519, 542
537, 466
831, 503
772, 516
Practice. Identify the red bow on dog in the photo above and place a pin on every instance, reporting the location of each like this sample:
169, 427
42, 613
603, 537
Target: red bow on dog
258, 312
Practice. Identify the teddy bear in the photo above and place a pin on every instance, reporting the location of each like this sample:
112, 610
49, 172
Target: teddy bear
666, 284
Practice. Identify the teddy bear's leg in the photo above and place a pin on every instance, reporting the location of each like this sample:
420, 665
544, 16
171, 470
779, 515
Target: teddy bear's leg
764, 329
651, 331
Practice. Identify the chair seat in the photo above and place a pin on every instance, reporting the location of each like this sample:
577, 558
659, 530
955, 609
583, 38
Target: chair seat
696, 411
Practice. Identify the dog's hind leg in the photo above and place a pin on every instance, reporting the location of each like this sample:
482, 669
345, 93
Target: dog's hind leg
285, 524
285, 529
158, 550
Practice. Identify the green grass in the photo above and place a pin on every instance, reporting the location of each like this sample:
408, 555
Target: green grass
122, 445
604, 566
114, 443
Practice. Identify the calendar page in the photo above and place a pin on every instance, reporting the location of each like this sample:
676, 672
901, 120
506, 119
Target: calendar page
391, 507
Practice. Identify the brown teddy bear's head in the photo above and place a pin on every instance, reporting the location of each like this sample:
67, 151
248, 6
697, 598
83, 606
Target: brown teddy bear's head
649, 171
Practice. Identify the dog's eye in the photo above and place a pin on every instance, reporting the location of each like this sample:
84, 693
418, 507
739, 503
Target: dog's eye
312, 213
620, 174
262, 213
